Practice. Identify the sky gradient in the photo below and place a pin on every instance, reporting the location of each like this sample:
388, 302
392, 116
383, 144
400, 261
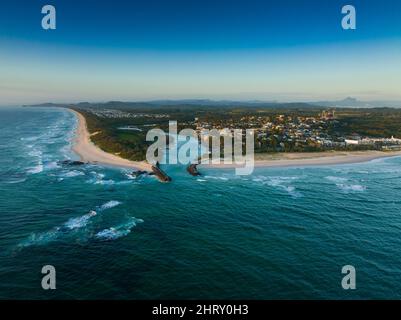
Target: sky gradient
143, 50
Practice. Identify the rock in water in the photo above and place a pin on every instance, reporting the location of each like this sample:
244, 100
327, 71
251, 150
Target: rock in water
71, 163
138, 173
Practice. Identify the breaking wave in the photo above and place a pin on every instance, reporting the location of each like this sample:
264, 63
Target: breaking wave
281, 183
336, 179
35, 153
15, 180
51, 165
217, 178
109, 205
98, 178
73, 173
33, 138
80, 222
346, 187
351, 187
72, 224
118, 231
37, 169
41, 238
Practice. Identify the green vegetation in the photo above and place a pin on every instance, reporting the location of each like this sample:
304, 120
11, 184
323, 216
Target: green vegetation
127, 145
378, 123
292, 128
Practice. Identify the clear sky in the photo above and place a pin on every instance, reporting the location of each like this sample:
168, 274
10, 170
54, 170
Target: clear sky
149, 49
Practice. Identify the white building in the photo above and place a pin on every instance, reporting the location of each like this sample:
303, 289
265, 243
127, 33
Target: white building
351, 142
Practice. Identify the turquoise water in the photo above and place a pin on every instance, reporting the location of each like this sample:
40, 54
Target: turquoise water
277, 234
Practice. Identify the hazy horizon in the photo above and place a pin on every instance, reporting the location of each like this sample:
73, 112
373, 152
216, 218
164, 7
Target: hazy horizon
391, 103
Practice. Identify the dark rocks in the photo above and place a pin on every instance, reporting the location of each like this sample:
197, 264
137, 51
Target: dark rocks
71, 163
193, 170
160, 174
138, 173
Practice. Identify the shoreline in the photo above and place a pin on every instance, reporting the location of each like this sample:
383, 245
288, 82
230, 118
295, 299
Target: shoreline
89, 152
311, 159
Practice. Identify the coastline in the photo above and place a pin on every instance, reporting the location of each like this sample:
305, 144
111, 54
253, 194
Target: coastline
311, 159
89, 152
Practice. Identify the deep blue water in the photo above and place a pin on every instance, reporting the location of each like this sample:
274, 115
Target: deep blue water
277, 234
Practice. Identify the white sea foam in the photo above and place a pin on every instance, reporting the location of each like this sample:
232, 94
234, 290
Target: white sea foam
33, 138
37, 169
279, 182
51, 165
15, 181
289, 189
336, 179
100, 175
105, 182
216, 178
123, 182
351, 187
109, 205
41, 238
71, 224
118, 231
80, 222
97, 178
129, 176
346, 187
73, 173
35, 153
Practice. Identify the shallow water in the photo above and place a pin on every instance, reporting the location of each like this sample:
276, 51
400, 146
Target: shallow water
280, 233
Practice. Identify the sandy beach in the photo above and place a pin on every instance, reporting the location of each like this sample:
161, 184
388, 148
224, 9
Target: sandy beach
88, 152
312, 159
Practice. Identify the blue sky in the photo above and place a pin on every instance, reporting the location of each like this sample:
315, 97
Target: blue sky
142, 50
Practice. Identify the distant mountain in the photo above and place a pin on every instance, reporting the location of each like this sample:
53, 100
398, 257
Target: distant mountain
183, 104
208, 102
350, 102
47, 104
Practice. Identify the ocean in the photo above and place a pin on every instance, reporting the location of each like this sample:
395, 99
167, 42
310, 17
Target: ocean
280, 233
